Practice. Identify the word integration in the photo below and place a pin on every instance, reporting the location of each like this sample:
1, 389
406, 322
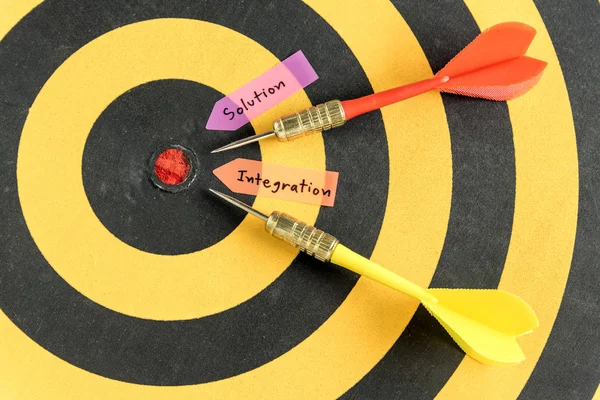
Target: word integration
276, 186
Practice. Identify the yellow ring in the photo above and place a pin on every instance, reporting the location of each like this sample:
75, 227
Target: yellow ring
55, 205
546, 202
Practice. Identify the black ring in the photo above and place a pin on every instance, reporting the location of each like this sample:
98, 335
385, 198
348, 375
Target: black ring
117, 179
247, 336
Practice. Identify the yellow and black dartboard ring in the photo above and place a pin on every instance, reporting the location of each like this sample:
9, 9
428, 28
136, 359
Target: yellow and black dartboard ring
110, 287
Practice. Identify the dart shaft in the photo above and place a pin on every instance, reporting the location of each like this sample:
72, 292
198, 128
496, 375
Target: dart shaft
344, 257
376, 101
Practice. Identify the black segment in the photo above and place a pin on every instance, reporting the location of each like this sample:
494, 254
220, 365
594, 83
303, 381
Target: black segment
117, 171
130, 349
569, 367
481, 214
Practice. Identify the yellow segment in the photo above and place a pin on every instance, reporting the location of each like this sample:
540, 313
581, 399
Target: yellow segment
545, 219
12, 12
361, 331
597, 394
56, 208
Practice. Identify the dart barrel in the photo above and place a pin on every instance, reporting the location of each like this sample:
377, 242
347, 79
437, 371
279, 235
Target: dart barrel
309, 239
312, 120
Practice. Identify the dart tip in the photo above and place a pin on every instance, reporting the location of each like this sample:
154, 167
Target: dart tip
239, 204
226, 147
244, 141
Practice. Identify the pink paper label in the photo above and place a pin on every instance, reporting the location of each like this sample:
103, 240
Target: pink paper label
261, 94
279, 181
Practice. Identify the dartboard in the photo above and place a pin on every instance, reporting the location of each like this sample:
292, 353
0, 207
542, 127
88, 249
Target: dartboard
111, 287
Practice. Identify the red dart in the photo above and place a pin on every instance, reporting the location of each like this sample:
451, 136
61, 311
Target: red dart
493, 66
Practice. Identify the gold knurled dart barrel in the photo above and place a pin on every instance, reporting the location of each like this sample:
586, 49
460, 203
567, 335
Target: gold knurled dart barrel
306, 122
307, 238
312, 120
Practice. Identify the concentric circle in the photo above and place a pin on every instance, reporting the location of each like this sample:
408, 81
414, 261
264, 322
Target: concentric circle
489, 196
98, 264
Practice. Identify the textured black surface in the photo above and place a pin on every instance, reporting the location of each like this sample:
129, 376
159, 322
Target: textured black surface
111, 344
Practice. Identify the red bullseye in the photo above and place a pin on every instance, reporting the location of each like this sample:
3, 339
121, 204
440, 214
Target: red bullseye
172, 166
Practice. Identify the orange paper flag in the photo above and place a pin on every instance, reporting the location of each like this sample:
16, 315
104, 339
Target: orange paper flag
279, 181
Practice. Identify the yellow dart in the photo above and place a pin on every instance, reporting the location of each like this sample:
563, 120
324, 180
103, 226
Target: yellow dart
483, 322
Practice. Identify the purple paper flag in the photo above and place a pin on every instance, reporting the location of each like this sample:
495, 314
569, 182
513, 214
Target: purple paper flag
261, 94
